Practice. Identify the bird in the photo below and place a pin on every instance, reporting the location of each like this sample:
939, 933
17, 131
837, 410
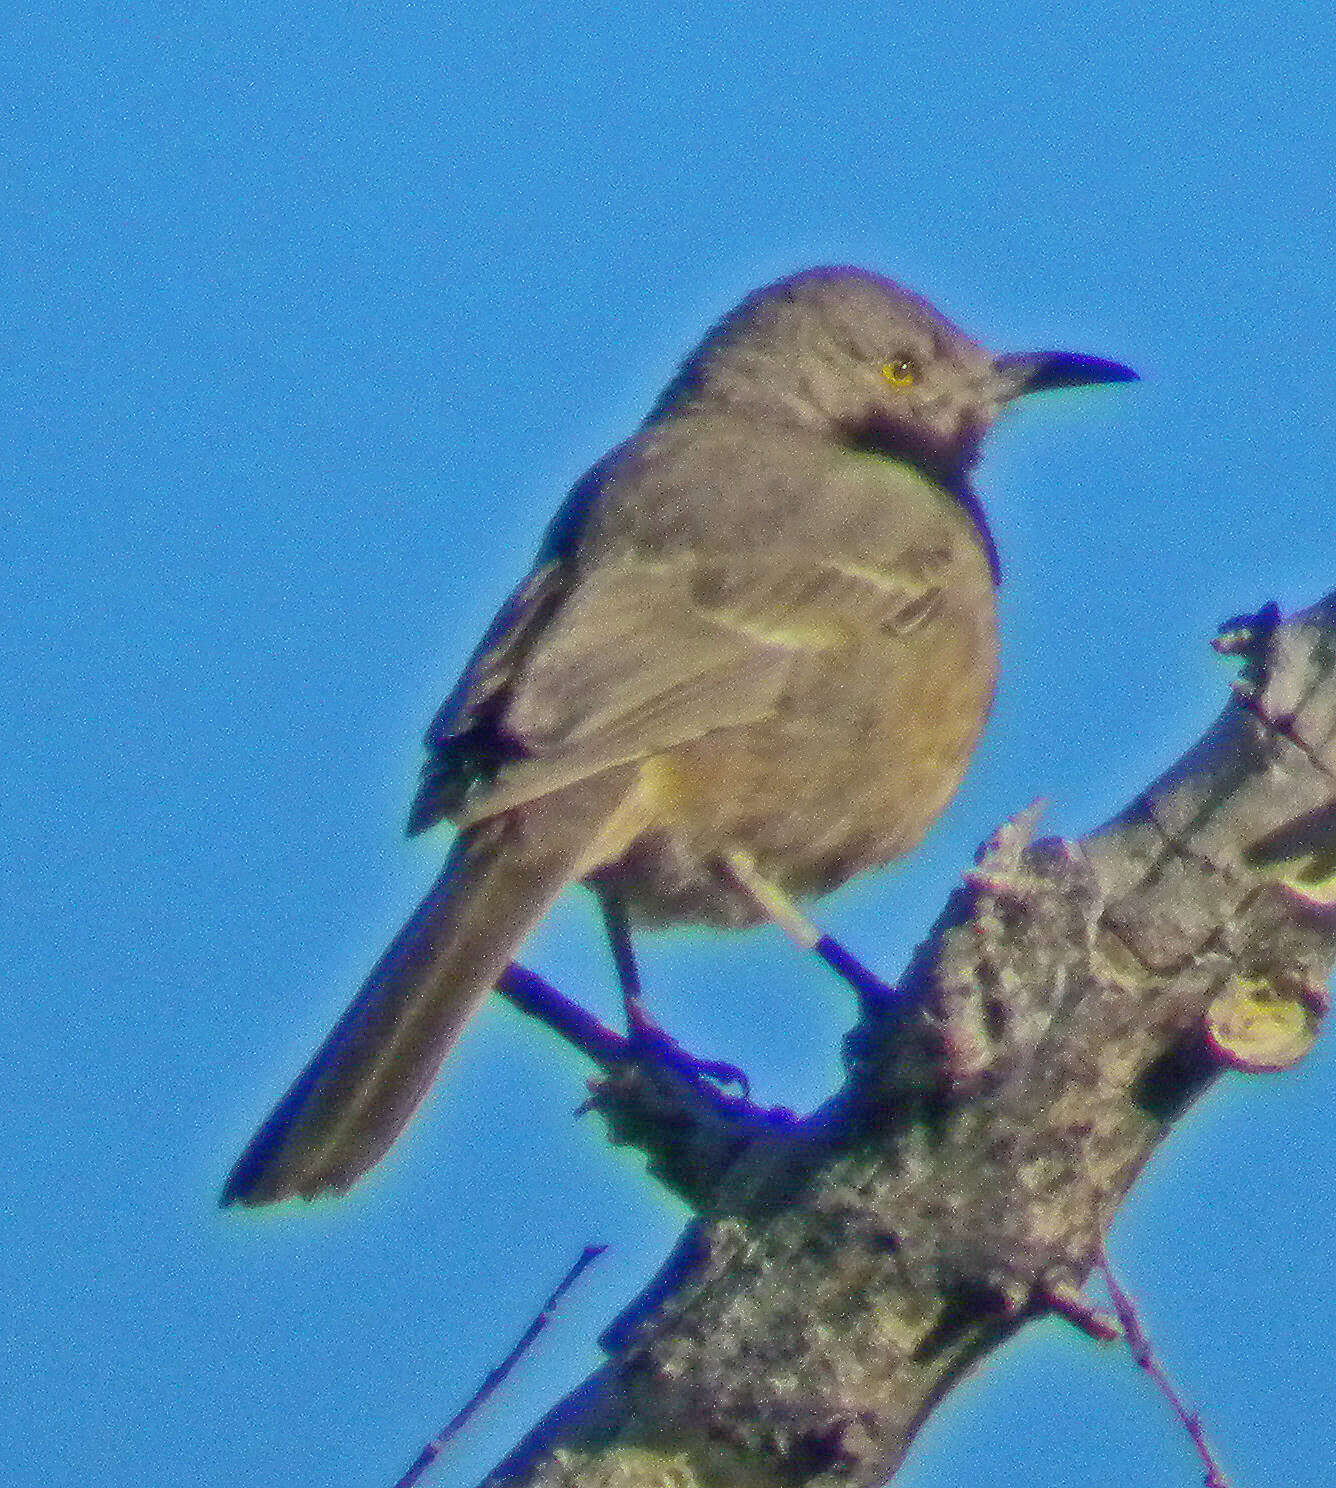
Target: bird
752, 658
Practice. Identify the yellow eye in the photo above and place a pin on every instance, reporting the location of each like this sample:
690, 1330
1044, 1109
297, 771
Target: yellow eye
901, 373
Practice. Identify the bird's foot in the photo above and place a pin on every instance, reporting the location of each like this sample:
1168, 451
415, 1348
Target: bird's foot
647, 1040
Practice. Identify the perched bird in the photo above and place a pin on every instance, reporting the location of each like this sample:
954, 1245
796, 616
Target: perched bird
752, 658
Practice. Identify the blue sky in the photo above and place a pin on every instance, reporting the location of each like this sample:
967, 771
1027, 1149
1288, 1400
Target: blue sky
308, 321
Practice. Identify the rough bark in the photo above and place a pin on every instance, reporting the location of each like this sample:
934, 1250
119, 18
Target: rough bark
846, 1269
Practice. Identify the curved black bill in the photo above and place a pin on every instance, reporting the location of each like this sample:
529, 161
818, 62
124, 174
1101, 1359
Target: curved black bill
1038, 371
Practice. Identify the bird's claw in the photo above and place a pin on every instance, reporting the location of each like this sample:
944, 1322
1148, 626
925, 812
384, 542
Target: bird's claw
647, 1040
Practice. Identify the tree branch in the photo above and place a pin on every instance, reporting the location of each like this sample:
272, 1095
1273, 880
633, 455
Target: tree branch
846, 1269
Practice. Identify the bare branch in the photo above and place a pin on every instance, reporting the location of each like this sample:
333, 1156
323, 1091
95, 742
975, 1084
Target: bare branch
846, 1269
1143, 1354
496, 1377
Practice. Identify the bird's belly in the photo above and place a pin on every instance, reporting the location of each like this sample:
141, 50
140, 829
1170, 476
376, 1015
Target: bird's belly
854, 766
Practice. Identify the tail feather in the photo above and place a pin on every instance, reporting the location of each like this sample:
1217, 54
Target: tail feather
364, 1083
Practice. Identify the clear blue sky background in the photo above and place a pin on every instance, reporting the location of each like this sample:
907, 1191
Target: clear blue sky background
309, 316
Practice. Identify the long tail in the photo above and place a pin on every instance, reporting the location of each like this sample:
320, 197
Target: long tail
369, 1076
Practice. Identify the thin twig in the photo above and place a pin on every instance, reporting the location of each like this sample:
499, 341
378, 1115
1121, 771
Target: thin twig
1144, 1356
496, 1376
540, 999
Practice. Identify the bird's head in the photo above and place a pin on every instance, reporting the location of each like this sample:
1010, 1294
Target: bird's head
844, 351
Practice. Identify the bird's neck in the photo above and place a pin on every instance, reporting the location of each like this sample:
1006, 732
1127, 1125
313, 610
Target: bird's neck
948, 464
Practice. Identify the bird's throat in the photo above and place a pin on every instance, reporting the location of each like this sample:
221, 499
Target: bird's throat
947, 463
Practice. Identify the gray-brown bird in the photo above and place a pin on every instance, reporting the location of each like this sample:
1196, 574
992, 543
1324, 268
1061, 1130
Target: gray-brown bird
752, 658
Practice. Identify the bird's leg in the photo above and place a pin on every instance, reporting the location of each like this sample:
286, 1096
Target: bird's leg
623, 955
643, 1031
779, 908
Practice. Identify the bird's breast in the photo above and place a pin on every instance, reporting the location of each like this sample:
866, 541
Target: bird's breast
892, 679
